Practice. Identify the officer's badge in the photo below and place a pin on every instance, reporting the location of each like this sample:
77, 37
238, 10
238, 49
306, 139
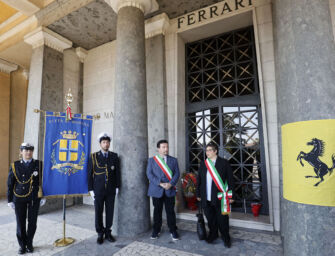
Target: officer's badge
35, 173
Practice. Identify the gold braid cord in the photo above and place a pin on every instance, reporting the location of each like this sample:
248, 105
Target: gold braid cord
99, 173
24, 182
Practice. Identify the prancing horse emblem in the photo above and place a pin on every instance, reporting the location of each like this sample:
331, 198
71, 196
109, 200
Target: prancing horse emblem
320, 168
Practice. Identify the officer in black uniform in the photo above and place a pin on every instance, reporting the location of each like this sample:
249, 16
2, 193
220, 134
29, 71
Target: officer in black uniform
23, 186
103, 185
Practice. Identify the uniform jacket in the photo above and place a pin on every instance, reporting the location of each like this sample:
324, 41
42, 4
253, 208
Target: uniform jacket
18, 187
226, 174
156, 176
103, 173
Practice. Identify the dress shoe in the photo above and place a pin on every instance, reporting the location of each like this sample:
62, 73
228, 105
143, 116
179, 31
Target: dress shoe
110, 238
22, 250
175, 235
211, 238
30, 248
227, 244
100, 239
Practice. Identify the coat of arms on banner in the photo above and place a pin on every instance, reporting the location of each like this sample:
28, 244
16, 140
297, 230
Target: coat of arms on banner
67, 147
68, 155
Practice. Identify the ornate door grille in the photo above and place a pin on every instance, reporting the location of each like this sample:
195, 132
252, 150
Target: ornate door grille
223, 106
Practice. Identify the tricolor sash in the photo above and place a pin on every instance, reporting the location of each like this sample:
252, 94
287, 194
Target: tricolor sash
164, 167
224, 195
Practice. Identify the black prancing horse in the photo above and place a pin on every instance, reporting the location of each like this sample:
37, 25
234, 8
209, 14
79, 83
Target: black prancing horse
320, 168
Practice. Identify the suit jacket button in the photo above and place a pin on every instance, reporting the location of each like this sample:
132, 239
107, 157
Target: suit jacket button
22, 175
22, 187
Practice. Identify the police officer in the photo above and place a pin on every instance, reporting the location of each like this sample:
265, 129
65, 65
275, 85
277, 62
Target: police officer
23, 185
103, 185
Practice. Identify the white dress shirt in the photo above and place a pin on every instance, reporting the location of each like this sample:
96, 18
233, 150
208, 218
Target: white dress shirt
209, 182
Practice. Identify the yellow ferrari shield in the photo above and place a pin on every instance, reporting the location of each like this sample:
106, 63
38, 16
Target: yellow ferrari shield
308, 160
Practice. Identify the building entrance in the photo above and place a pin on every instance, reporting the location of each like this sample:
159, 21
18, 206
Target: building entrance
223, 106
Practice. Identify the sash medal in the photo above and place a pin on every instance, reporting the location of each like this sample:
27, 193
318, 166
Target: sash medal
224, 195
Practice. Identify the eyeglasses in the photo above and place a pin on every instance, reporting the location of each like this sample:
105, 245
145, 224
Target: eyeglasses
209, 150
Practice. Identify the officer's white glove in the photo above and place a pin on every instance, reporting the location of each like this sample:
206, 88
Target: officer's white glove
11, 205
92, 194
116, 191
42, 202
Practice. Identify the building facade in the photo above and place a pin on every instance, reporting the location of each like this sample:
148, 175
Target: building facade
230, 72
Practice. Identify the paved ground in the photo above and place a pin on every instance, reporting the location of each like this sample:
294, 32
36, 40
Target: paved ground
80, 225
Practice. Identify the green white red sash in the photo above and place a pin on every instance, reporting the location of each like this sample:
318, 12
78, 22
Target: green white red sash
224, 195
164, 167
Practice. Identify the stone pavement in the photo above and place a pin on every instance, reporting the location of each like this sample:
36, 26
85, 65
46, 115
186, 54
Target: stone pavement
80, 225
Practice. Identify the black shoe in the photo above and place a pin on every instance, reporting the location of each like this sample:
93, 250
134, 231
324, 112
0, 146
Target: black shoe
227, 244
110, 238
22, 250
211, 238
175, 235
154, 235
30, 248
100, 239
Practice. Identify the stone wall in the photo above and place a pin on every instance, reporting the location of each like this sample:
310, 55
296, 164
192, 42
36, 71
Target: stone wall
4, 130
98, 92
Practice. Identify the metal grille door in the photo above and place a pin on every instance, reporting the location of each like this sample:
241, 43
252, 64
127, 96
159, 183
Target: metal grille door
223, 106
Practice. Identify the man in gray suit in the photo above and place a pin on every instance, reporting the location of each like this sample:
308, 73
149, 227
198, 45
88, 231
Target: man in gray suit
163, 174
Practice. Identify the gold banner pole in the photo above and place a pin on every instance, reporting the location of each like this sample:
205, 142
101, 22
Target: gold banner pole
65, 240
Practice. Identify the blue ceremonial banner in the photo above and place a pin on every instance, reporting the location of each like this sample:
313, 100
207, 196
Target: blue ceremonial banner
67, 147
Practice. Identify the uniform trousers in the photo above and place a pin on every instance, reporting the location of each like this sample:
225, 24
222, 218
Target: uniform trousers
22, 209
99, 203
217, 221
169, 203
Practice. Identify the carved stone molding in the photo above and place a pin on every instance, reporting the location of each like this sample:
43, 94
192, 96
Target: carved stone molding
156, 25
146, 6
44, 36
7, 67
81, 53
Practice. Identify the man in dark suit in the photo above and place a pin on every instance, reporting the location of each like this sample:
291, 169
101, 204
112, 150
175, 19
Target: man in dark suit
207, 194
22, 194
103, 185
163, 174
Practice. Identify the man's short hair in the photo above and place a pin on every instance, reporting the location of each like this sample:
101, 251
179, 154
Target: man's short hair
161, 142
212, 145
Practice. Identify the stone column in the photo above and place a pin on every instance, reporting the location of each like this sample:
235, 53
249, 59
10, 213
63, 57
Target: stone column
5, 69
130, 126
45, 87
305, 75
156, 80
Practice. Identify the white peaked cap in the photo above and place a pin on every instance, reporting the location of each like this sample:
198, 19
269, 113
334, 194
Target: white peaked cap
104, 135
26, 145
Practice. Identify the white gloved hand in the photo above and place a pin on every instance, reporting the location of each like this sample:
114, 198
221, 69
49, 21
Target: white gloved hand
11, 205
43, 201
116, 191
92, 194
